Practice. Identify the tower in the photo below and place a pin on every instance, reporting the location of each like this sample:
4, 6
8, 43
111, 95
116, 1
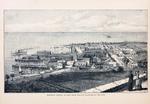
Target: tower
74, 53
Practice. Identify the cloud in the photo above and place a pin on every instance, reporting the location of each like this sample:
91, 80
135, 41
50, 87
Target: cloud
76, 21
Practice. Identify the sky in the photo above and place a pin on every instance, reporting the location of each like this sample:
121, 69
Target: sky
75, 20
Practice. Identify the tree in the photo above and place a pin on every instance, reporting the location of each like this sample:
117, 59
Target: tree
120, 69
12, 76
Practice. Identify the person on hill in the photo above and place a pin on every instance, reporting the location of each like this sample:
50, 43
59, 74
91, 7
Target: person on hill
130, 81
138, 82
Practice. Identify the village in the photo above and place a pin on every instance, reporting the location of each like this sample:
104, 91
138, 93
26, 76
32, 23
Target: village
91, 60
81, 57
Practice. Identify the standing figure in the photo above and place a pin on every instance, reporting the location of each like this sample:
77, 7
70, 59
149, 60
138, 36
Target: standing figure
130, 81
138, 82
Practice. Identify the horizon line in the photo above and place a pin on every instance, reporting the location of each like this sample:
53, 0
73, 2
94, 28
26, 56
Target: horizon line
79, 32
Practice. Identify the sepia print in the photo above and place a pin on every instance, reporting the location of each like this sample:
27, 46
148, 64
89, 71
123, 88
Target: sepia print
75, 51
